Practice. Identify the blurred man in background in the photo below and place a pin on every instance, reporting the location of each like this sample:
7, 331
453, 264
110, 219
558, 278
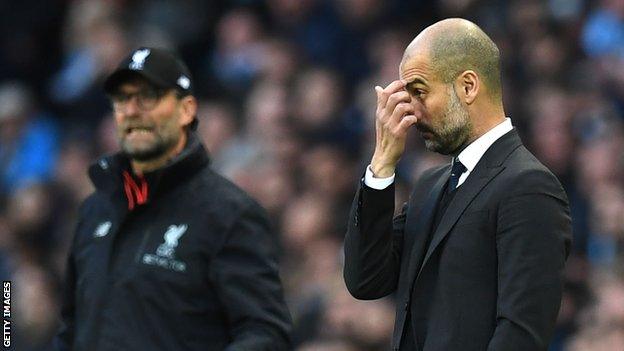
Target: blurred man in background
476, 256
168, 255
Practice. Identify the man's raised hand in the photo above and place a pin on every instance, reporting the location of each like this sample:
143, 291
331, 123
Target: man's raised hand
395, 114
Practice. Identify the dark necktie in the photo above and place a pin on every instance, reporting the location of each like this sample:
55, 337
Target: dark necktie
456, 172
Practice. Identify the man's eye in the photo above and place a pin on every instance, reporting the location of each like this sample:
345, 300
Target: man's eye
149, 94
119, 98
418, 93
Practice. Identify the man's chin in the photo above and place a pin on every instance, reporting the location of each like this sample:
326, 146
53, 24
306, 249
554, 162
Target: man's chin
433, 146
139, 154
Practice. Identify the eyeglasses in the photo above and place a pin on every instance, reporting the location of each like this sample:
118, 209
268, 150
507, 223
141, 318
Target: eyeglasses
146, 99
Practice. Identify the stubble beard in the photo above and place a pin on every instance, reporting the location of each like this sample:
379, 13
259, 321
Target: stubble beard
455, 129
163, 142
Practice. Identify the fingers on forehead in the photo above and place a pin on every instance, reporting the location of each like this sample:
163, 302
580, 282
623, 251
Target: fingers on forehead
399, 96
395, 86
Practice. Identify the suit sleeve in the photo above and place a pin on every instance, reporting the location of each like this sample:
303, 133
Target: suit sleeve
245, 272
373, 244
533, 240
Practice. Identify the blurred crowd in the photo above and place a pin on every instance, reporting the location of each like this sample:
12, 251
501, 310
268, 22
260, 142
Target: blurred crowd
286, 109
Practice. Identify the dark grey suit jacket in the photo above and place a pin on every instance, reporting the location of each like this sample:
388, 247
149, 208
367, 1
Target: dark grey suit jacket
491, 276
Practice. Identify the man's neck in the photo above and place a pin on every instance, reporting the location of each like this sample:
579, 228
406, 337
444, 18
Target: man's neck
479, 129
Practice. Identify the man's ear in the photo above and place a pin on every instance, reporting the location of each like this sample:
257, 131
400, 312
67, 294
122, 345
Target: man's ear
469, 86
189, 110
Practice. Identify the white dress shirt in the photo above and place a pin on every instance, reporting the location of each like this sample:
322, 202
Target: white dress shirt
469, 156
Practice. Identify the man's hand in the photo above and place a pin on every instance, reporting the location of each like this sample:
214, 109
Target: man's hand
395, 114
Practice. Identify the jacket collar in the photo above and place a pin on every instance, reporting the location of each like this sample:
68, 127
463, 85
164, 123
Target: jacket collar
106, 173
471, 155
502, 148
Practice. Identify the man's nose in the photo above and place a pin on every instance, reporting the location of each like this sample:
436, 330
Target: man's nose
131, 107
418, 107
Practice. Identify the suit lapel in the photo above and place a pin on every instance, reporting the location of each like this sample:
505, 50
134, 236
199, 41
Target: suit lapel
490, 165
476, 181
422, 223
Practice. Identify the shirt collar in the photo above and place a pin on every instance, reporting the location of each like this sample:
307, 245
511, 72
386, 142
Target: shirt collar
471, 155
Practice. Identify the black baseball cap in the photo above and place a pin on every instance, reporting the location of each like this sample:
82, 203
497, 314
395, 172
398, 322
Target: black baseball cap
161, 67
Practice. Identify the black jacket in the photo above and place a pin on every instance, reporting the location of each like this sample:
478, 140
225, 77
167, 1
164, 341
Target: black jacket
193, 268
489, 276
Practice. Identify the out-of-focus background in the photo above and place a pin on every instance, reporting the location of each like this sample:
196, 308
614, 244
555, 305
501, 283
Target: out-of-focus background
286, 108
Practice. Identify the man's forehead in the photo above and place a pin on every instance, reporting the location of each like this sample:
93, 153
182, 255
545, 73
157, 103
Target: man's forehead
415, 68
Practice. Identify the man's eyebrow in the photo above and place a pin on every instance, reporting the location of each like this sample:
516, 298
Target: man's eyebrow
416, 81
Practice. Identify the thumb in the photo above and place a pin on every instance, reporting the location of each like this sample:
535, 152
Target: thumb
407, 121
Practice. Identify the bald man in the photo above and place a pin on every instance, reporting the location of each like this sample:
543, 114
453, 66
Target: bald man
475, 257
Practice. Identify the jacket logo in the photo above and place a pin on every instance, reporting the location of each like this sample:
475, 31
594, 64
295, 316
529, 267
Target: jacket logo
165, 252
172, 235
102, 229
138, 59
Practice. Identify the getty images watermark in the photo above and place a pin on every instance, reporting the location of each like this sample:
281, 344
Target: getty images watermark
6, 314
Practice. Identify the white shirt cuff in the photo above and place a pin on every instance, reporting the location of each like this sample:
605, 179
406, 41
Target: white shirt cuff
377, 183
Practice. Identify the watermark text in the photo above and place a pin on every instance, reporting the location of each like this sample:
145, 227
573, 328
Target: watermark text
6, 314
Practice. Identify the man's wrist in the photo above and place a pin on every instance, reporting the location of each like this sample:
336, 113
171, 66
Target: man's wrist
381, 170
377, 183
